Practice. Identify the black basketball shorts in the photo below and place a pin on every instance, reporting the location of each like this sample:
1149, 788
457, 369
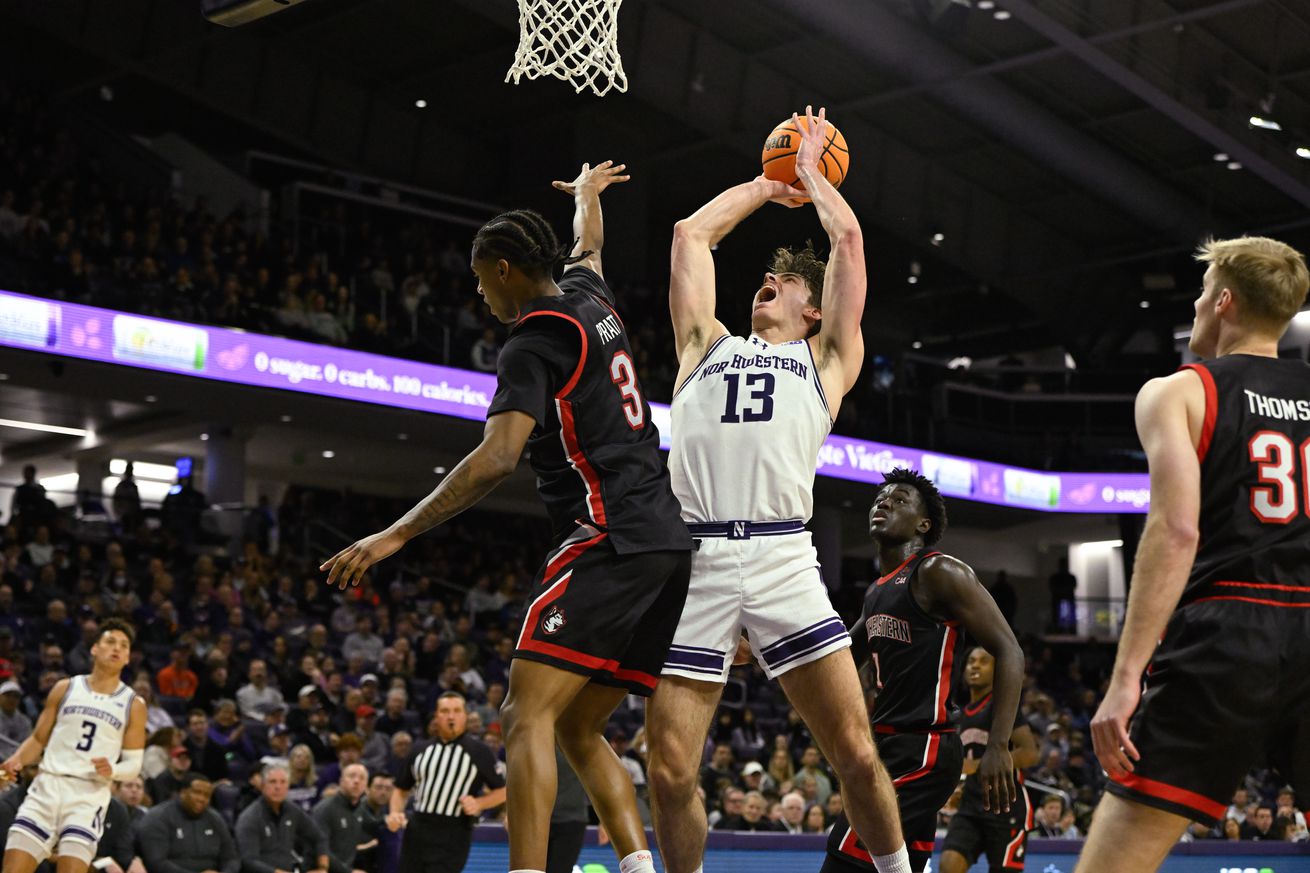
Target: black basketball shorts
1227, 675
925, 768
1001, 836
608, 616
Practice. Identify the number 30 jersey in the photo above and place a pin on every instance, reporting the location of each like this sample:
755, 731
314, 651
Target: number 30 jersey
748, 424
596, 452
1255, 482
88, 725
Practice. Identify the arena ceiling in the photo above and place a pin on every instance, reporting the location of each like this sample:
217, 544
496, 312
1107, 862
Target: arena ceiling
1067, 154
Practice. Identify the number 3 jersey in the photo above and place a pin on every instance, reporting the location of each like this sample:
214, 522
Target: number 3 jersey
88, 725
748, 424
1255, 482
596, 452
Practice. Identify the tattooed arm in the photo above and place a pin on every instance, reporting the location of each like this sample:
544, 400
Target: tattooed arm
472, 479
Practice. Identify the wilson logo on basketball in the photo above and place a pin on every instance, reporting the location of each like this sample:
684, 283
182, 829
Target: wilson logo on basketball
781, 141
553, 620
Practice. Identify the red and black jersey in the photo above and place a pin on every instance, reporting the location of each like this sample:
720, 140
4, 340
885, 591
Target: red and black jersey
913, 654
595, 450
975, 731
1255, 482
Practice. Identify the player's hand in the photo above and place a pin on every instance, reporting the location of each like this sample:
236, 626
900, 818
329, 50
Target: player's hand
781, 192
395, 821
1110, 728
813, 141
744, 653
996, 776
9, 771
348, 566
103, 767
593, 180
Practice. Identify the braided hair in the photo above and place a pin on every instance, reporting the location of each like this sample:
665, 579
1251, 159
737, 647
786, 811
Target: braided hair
933, 504
526, 240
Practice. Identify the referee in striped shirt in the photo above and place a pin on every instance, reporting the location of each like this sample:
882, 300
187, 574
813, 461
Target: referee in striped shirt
453, 780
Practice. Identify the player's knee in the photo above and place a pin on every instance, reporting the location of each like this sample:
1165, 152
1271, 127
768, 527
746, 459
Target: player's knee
670, 776
856, 762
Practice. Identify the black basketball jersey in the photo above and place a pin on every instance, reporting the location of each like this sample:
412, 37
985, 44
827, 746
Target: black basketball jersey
975, 731
1255, 482
913, 654
595, 450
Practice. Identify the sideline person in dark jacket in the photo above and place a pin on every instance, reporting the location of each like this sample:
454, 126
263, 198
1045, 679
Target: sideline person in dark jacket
273, 835
346, 819
184, 835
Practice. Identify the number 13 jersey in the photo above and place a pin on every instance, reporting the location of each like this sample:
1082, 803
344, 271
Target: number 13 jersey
748, 424
1255, 482
88, 725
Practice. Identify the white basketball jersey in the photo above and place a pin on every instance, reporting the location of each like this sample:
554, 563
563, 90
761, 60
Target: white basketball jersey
89, 725
747, 427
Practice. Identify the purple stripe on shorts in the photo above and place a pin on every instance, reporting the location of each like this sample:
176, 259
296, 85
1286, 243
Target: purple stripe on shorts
28, 824
677, 658
819, 636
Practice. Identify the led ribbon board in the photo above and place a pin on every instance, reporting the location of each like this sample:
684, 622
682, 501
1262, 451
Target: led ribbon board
238, 357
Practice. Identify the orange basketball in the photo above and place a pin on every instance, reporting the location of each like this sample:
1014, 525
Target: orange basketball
779, 156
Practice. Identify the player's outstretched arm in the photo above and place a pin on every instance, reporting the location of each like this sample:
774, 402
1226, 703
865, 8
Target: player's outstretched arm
472, 479
839, 346
30, 750
1164, 554
588, 223
691, 276
951, 591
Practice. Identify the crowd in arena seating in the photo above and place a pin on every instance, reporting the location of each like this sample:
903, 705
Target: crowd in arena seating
252, 659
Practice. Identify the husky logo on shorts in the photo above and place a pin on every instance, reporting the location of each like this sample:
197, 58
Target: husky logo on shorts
553, 621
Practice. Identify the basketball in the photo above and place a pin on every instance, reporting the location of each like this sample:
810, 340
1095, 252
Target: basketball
779, 155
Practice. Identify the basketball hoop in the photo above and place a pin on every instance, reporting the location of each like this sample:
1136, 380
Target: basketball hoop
576, 41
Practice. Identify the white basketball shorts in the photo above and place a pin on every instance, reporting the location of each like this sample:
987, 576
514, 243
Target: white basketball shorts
61, 815
762, 577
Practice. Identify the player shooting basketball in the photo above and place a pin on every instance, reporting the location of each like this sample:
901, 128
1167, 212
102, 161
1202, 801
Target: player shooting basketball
749, 416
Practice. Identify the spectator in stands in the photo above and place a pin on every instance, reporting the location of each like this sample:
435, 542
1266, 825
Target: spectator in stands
126, 502
780, 775
268, 842
1054, 819
159, 745
28, 505
718, 771
1237, 809
177, 679
41, 551
1285, 807
133, 794
156, 716
349, 751
15, 726
474, 684
375, 748
728, 807
1232, 829
812, 765
752, 776
833, 807
363, 642
753, 815
184, 835
303, 787
402, 743
793, 812
485, 352
1259, 825
207, 757
346, 819
395, 714
229, 733
318, 737
166, 785
1063, 585
815, 821
258, 694
278, 746
748, 741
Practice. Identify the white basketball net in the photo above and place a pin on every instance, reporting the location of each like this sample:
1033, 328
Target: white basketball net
576, 41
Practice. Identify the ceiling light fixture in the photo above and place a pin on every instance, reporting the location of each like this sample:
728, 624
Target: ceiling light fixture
286, 419
402, 436
1264, 123
1145, 304
1234, 165
1221, 156
329, 454
440, 471
204, 437
916, 345
44, 428
150, 398
985, 5
1001, 15
421, 103
938, 238
1303, 152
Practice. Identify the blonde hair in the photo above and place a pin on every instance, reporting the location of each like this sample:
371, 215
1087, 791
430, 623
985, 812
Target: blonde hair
1268, 277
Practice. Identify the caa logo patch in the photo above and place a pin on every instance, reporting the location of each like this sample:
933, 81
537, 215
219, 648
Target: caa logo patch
553, 620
